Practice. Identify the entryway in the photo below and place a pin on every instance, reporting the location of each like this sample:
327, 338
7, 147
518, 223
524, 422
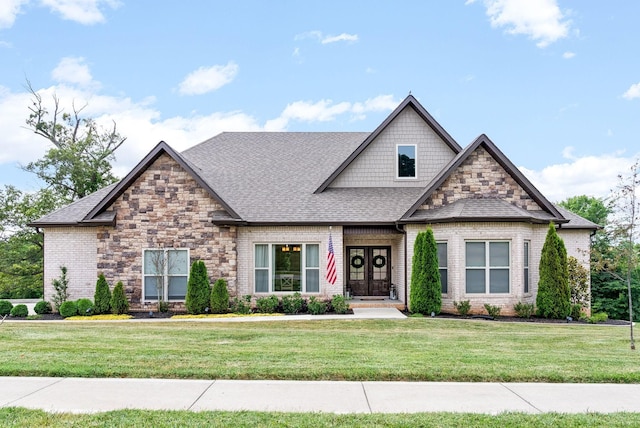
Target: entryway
369, 270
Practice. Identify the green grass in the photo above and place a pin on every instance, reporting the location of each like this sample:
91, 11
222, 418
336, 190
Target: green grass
17, 417
415, 349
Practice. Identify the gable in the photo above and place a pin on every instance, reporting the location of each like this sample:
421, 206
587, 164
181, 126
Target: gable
376, 165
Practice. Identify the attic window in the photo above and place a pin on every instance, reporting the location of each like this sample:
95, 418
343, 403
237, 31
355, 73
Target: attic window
406, 161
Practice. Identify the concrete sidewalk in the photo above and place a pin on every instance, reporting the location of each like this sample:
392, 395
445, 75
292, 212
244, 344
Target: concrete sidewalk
79, 395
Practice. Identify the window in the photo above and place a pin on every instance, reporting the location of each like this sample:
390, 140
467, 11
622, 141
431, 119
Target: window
487, 267
527, 277
287, 268
442, 266
406, 161
165, 274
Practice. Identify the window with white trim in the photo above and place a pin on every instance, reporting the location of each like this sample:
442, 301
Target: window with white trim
165, 273
442, 266
487, 267
407, 156
527, 272
287, 268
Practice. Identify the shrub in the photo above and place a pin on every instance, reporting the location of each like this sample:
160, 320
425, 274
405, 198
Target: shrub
463, 307
316, 307
219, 297
241, 305
60, 286
339, 304
524, 310
267, 304
578, 283
85, 307
102, 296
493, 311
68, 309
292, 303
42, 307
119, 303
20, 311
5, 307
426, 290
198, 289
598, 317
554, 294
576, 311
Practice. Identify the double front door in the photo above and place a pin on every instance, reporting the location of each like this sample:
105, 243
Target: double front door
369, 270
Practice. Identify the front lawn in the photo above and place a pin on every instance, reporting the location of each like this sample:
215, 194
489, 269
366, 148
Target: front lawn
415, 349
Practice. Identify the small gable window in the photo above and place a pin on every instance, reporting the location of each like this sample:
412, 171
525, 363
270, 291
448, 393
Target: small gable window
406, 167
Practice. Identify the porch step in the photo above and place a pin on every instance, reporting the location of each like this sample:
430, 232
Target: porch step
367, 302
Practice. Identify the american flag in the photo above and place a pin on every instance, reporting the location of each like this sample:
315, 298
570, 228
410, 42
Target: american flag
331, 263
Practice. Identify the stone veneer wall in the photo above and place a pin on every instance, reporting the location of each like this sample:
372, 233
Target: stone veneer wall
480, 176
164, 208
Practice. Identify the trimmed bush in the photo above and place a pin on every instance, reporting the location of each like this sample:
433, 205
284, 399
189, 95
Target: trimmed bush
463, 307
85, 307
219, 303
102, 297
42, 307
20, 311
198, 289
68, 309
339, 304
493, 311
119, 303
267, 304
598, 317
524, 310
292, 303
316, 307
241, 305
554, 294
5, 307
426, 289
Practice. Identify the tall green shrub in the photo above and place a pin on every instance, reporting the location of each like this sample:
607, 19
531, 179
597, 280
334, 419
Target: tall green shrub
119, 303
554, 295
198, 289
426, 291
102, 296
60, 286
219, 297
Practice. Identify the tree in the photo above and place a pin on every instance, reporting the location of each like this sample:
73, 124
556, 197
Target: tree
79, 163
219, 297
593, 209
554, 294
119, 303
102, 296
198, 289
426, 290
61, 288
578, 282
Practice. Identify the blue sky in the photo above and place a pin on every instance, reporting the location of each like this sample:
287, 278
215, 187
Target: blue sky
554, 83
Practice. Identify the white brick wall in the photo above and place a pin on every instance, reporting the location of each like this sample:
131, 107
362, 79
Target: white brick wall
248, 236
456, 234
75, 248
376, 165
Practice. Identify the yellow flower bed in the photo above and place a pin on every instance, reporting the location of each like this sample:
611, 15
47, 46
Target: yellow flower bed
105, 317
184, 317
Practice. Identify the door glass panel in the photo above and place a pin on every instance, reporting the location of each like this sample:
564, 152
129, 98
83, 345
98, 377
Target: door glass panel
379, 264
356, 264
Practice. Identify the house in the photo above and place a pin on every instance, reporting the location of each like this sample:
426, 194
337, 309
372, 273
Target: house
261, 209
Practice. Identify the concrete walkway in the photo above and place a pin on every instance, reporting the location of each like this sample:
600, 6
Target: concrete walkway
79, 395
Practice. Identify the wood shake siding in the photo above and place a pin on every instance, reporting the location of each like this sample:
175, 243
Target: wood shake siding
164, 208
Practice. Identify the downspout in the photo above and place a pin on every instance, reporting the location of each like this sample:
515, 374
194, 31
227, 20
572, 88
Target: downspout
404, 232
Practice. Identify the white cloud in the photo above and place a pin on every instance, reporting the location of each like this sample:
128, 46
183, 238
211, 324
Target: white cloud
327, 110
9, 9
587, 175
632, 92
326, 39
540, 20
85, 12
568, 55
73, 70
207, 79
